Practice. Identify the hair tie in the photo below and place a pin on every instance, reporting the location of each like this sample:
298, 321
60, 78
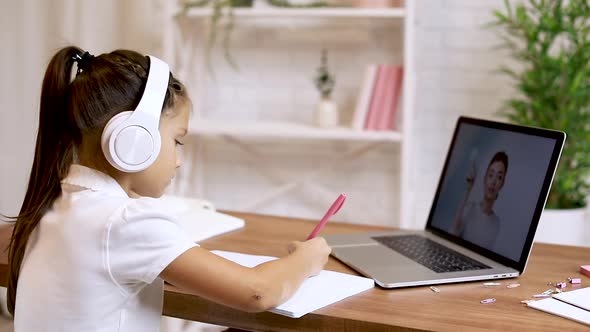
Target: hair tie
82, 61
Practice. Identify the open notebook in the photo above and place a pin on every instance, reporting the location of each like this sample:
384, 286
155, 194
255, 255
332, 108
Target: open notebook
199, 218
574, 305
316, 292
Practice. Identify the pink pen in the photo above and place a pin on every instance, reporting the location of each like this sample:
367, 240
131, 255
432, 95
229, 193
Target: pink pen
331, 211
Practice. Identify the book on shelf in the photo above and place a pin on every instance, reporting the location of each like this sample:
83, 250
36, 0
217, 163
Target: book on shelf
390, 114
379, 98
364, 98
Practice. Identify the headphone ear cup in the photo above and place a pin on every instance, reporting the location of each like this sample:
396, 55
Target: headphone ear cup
107, 137
131, 141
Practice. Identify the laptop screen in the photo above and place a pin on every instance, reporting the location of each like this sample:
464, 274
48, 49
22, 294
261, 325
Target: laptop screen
494, 186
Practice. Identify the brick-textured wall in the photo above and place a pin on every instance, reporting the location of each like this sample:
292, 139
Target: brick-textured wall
454, 59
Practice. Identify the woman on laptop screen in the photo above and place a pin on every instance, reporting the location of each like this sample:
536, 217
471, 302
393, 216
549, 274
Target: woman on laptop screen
477, 222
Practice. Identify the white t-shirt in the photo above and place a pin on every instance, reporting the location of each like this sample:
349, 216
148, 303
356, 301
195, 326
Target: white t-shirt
92, 263
478, 227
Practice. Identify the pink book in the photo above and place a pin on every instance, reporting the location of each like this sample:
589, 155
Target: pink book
376, 99
388, 96
363, 102
390, 120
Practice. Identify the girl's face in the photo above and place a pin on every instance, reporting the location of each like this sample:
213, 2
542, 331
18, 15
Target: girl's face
494, 180
153, 181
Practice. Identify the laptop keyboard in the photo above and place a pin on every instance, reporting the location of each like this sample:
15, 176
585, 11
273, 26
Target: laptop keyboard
430, 254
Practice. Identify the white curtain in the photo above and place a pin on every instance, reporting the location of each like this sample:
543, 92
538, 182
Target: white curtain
31, 32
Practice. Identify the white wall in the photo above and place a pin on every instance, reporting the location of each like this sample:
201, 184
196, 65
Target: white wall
453, 61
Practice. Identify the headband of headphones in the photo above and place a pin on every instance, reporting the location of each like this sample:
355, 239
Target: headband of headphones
152, 100
131, 140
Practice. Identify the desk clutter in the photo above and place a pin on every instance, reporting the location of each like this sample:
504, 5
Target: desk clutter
573, 304
316, 292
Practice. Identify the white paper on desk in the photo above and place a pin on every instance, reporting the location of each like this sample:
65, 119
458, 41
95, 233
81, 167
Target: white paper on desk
199, 218
579, 297
316, 292
562, 309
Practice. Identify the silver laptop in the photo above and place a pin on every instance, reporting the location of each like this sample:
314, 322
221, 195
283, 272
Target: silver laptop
492, 190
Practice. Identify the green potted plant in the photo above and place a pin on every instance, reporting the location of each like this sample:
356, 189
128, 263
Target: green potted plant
550, 42
327, 111
297, 4
223, 9
220, 8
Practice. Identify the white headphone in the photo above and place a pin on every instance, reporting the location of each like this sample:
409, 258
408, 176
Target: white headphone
131, 140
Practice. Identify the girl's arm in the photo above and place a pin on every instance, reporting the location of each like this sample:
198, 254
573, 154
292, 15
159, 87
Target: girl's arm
256, 289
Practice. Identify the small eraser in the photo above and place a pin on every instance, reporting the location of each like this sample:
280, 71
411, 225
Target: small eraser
575, 280
561, 285
585, 269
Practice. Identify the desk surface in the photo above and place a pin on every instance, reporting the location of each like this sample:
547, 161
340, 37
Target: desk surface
456, 307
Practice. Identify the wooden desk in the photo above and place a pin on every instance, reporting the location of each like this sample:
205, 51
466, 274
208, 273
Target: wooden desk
455, 308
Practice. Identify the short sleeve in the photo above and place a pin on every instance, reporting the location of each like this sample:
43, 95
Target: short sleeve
141, 240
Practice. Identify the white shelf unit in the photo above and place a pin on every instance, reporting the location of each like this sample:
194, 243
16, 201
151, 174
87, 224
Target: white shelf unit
185, 52
289, 130
271, 12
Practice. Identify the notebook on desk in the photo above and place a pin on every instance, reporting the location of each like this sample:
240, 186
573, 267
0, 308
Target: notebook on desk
316, 292
579, 298
574, 305
482, 222
199, 217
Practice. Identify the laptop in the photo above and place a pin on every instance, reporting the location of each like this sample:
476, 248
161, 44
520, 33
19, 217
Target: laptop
482, 222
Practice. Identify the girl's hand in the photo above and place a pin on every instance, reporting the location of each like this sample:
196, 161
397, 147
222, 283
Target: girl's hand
315, 250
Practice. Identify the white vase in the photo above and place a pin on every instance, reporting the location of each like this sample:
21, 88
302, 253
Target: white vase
564, 226
326, 113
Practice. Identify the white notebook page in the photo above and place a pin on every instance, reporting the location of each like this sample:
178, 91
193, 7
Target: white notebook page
562, 309
316, 292
579, 297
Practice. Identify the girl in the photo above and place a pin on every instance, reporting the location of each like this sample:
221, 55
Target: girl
92, 245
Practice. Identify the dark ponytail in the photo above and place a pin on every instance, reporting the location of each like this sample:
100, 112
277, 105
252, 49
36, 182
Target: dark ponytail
53, 157
72, 111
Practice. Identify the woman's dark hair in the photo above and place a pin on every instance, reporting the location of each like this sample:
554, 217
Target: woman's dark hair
69, 110
502, 157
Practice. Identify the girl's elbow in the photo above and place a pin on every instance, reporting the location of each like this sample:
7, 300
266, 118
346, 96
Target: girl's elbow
259, 303
262, 298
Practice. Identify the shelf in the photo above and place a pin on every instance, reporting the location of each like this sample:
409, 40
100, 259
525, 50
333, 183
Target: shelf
272, 12
288, 130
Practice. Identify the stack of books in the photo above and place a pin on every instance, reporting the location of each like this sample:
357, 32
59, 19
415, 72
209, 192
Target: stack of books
379, 98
